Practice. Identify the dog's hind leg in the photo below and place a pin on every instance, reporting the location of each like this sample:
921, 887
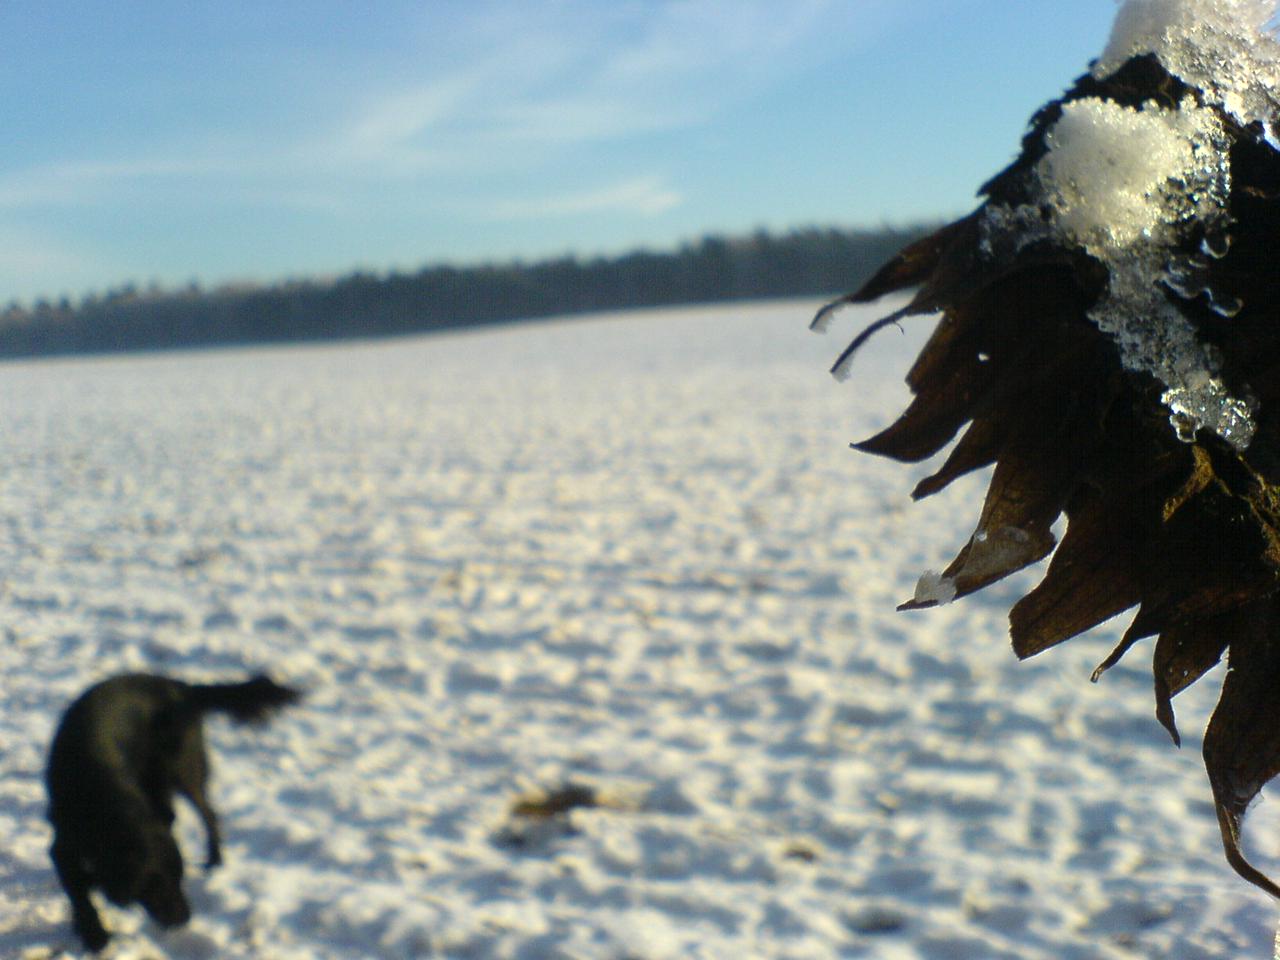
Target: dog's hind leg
190, 772
76, 881
213, 837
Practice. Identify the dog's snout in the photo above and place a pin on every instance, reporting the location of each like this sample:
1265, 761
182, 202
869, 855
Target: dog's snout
162, 897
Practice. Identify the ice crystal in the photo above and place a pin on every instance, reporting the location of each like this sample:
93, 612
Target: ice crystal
1003, 231
932, 589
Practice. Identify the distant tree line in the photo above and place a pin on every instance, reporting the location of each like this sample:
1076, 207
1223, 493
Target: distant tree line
799, 263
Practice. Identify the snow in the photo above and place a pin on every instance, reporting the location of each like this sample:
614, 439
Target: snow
1224, 47
1117, 176
629, 552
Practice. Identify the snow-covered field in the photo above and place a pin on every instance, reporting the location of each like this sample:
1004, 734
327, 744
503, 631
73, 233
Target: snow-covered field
629, 553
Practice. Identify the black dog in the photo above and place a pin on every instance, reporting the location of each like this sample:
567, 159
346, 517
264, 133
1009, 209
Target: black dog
122, 750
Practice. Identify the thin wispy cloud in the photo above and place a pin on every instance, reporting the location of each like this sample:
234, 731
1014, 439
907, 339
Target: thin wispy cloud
75, 182
397, 127
645, 196
578, 73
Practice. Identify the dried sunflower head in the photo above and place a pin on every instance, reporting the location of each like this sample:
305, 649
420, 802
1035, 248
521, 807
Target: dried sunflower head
1108, 339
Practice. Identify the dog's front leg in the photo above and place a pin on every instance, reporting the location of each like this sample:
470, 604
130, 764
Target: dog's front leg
76, 881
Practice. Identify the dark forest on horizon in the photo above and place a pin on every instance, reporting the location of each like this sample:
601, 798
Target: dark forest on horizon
804, 262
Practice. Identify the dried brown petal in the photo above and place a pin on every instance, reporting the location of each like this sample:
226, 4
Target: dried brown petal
1090, 579
1187, 651
1242, 742
978, 448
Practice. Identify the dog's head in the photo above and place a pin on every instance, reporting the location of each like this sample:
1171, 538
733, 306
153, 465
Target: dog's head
146, 868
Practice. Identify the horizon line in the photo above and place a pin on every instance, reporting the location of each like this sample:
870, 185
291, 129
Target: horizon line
157, 288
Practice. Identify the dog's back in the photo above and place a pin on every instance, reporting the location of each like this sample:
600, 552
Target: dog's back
105, 744
125, 732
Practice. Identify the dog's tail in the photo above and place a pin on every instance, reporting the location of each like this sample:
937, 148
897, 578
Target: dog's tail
248, 702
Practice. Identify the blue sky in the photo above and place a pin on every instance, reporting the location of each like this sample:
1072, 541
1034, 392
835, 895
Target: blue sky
166, 140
